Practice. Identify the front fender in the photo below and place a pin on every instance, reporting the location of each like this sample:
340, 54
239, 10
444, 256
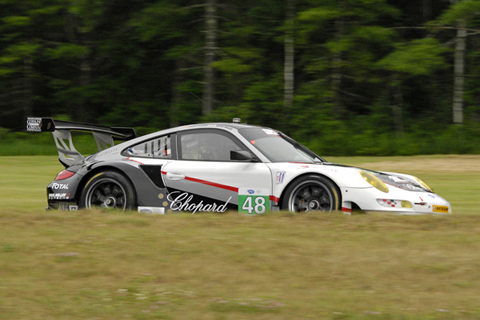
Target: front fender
284, 174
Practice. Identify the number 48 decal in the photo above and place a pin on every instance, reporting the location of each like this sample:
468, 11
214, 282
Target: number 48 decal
253, 201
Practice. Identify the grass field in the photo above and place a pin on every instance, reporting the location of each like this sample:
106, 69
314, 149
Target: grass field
97, 265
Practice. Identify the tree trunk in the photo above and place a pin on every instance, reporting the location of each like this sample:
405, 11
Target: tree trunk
289, 62
27, 90
177, 95
397, 106
79, 106
459, 73
84, 81
21, 91
339, 108
459, 70
427, 10
210, 49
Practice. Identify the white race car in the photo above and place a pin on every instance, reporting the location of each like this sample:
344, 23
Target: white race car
215, 167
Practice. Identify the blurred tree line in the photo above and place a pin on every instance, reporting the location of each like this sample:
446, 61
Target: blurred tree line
342, 76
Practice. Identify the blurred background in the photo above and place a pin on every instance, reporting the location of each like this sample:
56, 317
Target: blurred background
343, 77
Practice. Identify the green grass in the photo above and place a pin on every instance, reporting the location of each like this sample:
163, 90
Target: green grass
112, 265
24, 180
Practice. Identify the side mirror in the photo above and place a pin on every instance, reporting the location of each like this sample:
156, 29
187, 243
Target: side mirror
242, 155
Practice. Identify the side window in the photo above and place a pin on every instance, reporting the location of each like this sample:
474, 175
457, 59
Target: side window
207, 146
156, 148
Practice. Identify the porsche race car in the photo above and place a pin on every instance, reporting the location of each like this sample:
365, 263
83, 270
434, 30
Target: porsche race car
215, 167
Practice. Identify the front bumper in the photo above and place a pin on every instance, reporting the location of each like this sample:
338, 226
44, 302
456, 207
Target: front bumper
396, 200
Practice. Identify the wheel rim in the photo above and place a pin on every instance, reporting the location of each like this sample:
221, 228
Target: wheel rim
310, 196
108, 194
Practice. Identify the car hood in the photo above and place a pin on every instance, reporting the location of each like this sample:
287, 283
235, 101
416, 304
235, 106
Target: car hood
399, 180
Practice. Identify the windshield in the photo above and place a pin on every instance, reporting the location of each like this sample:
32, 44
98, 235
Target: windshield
278, 147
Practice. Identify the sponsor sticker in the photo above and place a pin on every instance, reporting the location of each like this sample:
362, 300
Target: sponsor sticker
388, 203
253, 200
398, 179
270, 132
67, 207
442, 209
59, 186
34, 124
58, 196
154, 210
183, 202
280, 177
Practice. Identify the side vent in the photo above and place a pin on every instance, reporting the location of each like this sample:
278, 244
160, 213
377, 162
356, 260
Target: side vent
155, 174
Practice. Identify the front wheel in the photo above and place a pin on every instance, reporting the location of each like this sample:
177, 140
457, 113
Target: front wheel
109, 190
312, 193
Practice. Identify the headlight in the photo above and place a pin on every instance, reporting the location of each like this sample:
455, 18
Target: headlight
374, 181
423, 184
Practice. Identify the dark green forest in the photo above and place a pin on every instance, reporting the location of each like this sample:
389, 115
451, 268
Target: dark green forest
344, 77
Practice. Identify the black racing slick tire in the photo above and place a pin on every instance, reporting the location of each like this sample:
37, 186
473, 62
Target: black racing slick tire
108, 190
312, 193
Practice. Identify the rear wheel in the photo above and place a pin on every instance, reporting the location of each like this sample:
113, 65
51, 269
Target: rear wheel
312, 193
109, 190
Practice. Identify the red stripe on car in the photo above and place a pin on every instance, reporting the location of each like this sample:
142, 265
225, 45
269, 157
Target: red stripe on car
129, 158
213, 184
209, 183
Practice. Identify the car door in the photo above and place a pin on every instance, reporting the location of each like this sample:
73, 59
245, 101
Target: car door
205, 178
150, 156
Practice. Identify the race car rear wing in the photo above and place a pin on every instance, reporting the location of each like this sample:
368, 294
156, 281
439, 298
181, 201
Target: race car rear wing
61, 130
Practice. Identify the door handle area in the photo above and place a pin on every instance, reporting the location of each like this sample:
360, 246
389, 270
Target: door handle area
175, 176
